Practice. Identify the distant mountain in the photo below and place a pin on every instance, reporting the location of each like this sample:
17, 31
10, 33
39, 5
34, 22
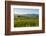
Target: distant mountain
27, 15
30, 15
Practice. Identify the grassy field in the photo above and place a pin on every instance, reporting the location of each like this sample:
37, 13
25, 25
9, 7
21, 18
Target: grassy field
25, 21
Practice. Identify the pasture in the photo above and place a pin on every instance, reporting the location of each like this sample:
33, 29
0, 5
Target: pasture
26, 21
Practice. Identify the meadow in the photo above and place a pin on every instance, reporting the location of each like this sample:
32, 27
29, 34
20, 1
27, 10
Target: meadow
22, 21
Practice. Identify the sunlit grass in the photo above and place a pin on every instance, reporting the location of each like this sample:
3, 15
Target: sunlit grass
25, 22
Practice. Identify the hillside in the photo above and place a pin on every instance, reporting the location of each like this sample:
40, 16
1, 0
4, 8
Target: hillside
27, 15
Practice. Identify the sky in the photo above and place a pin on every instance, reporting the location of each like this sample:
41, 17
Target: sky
25, 11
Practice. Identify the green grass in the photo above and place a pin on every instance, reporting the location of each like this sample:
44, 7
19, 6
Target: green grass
25, 22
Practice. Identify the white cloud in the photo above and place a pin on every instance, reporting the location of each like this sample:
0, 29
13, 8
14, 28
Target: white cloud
20, 13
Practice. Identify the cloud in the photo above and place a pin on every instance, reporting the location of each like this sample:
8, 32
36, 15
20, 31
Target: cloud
20, 13
26, 11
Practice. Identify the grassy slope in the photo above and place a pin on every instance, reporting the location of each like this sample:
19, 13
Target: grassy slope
25, 22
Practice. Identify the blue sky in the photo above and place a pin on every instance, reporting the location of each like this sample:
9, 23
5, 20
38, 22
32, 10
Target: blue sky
26, 11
